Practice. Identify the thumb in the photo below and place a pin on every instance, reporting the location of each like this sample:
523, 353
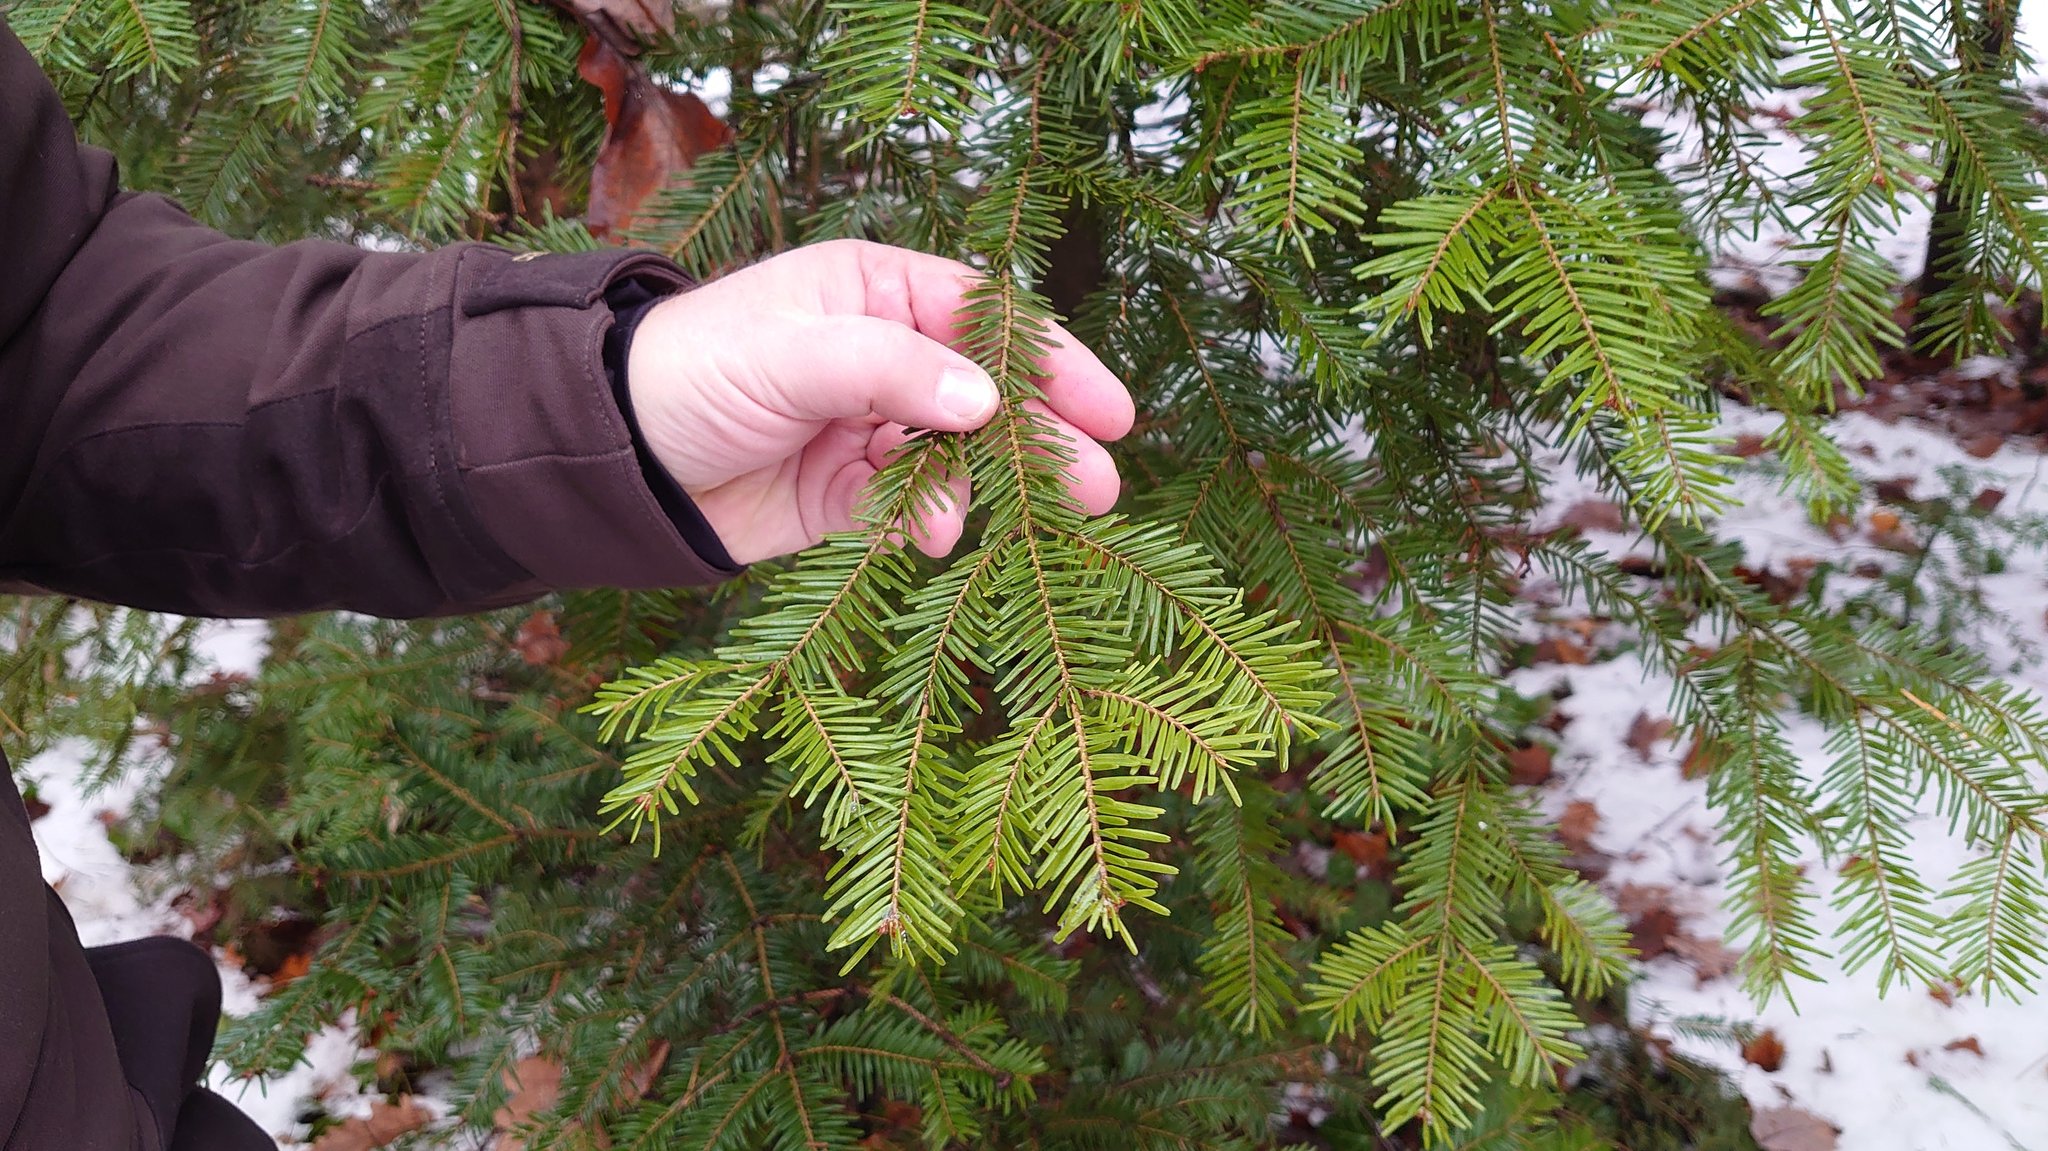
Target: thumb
848, 367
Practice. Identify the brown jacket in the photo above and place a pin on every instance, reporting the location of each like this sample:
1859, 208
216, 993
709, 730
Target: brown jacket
203, 425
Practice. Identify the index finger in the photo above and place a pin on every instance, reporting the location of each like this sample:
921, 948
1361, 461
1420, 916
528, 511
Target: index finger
929, 293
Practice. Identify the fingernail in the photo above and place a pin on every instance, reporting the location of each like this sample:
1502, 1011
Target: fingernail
967, 392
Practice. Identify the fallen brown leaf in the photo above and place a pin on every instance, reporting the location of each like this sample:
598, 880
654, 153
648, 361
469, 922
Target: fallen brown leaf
1984, 445
293, 967
1651, 932
1765, 1050
385, 1124
1529, 766
1782, 586
1746, 446
1699, 761
539, 640
1557, 649
1645, 731
535, 1083
1791, 1129
1368, 849
1576, 826
1633, 899
1595, 515
1967, 1043
1710, 958
1640, 566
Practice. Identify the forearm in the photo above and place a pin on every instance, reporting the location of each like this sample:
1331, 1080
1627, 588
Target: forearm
205, 425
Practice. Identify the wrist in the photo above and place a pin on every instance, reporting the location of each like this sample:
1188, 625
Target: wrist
631, 301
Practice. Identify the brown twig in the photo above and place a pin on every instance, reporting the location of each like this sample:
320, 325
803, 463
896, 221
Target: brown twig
321, 180
947, 1037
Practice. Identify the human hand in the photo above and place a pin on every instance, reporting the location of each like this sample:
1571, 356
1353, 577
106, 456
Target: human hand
774, 394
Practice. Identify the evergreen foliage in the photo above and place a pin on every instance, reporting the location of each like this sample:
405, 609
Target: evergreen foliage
997, 851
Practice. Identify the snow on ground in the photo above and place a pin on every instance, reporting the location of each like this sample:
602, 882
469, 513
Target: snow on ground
1894, 1073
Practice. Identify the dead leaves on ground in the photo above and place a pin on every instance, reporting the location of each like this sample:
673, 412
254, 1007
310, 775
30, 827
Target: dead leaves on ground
1576, 826
384, 1125
1595, 516
1967, 1043
1529, 766
539, 641
1711, 959
1367, 849
1791, 1129
1646, 731
1764, 1050
535, 1083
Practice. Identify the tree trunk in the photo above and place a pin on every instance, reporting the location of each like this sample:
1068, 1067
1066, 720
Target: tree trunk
1981, 48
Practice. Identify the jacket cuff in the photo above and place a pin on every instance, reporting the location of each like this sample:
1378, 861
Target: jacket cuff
545, 458
630, 302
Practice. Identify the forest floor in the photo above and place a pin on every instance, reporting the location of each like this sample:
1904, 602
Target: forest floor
1919, 1069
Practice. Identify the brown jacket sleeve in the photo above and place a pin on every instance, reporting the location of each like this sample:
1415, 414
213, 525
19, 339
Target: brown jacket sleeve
210, 426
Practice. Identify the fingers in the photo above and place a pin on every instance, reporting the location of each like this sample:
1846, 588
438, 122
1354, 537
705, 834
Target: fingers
852, 367
1091, 475
927, 293
840, 464
1092, 483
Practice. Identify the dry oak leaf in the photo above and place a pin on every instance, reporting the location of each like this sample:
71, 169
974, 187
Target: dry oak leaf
540, 641
295, 966
1368, 849
1645, 730
1710, 958
1699, 760
1765, 1050
1984, 445
535, 1083
1748, 445
1528, 766
652, 135
1651, 923
1576, 826
1558, 649
1595, 515
385, 1125
1652, 932
1791, 1129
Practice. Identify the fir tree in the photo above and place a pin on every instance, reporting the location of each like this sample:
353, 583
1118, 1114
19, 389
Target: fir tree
993, 851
